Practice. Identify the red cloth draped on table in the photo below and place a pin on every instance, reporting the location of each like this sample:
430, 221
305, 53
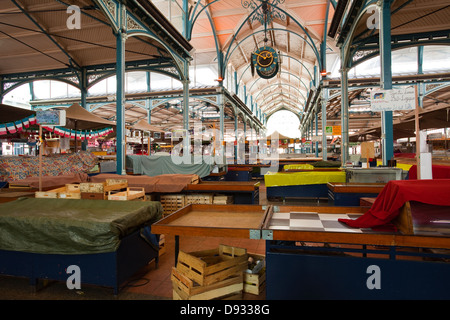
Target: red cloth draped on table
396, 192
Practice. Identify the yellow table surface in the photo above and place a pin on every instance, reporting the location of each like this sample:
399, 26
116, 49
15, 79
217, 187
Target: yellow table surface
300, 178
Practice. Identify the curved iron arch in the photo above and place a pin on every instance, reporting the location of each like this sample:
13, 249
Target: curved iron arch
293, 100
284, 84
285, 72
272, 113
394, 47
312, 45
282, 55
25, 81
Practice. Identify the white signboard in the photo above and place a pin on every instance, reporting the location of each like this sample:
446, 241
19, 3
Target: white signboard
51, 117
394, 99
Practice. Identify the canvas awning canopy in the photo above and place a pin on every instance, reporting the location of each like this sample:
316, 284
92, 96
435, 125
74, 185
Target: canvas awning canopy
78, 118
145, 126
277, 135
11, 113
405, 127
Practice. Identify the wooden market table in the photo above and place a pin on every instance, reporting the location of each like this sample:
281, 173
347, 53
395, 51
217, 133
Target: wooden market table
350, 193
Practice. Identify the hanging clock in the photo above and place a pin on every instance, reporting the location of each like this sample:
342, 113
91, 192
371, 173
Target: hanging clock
266, 62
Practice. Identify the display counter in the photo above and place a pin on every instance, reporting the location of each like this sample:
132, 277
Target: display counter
350, 193
375, 175
301, 184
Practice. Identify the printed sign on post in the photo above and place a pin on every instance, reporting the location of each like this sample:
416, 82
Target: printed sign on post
333, 130
394, 99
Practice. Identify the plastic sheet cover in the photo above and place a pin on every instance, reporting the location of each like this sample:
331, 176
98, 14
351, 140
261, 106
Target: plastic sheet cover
67, 226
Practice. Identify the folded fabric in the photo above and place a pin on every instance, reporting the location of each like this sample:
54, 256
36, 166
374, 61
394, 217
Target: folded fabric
395, 194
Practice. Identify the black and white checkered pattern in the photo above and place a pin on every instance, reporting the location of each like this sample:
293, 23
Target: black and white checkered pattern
313, 221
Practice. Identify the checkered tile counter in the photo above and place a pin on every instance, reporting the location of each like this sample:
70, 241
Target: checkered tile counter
314, 221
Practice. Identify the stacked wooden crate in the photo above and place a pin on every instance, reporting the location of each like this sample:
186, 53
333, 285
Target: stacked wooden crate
162, 244
132, 193
222, 199
255, 275
69, 191
210, 274
171, 203
111, 189
99, 190
201, 198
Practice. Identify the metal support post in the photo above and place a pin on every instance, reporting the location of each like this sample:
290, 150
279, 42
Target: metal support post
317, 133
344, 112
235, 135
120, 104
219, 155
186, 96
387, 135
83, 88
324, 123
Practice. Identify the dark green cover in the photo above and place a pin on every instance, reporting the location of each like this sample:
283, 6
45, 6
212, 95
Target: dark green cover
155, 165
326, 164
71, 226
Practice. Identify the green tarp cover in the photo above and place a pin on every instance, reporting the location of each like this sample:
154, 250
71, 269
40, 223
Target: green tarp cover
326, 164
156, 165
70, 226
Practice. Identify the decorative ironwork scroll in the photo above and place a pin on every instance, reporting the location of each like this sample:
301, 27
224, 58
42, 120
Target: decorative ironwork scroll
267, 11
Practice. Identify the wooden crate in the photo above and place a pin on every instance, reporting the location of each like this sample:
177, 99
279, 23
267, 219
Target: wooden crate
199, 198
132, 193
115, 184
172, 202
89, 187
255, 282
48, 194
101, 187
210, 266
69, 191
162, 244
186, 289
72, 191
93, 195
222, 199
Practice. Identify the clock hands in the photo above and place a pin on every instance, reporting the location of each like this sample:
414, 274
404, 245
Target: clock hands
265, 62
268, 54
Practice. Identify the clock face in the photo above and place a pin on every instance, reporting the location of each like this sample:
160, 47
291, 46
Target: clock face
265, 60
